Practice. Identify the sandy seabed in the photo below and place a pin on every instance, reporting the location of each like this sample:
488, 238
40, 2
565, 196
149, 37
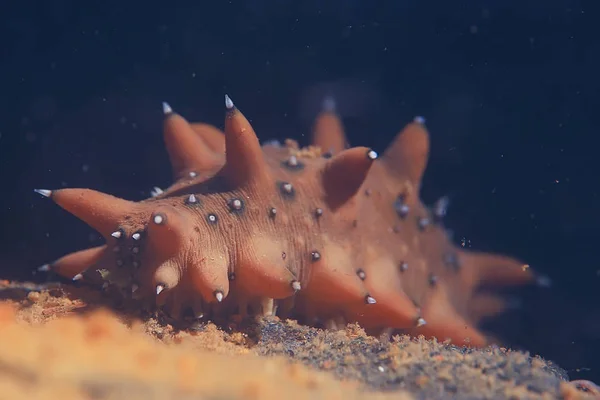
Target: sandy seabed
62, 342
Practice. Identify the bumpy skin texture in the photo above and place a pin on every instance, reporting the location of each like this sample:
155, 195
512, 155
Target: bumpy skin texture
327, 234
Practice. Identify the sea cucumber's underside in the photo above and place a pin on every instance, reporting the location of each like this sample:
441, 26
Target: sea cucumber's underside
326, 234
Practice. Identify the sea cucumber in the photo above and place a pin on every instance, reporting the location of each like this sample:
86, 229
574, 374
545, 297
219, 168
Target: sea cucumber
326, 234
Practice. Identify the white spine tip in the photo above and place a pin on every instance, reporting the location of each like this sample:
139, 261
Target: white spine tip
166, 108
228, 102
421, 322
43, 192
329, 104
371, 300
116, 234
419, 120
372, 154
156, 191
136, 236
219, 296
78, 277
159, 289
296, 286
134, 288
44, 268
158, 219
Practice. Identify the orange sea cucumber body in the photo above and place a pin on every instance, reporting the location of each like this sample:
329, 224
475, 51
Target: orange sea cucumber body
327, 234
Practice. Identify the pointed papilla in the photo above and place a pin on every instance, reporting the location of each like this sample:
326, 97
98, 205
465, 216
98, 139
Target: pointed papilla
245, 159
493, 269
168, 232
262, 269
393, 309
101, 211
188, 151
209, 276
344, 174
333, 283
328, 132
166, 276
167, 235
72, 264
407, 155
444, 322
